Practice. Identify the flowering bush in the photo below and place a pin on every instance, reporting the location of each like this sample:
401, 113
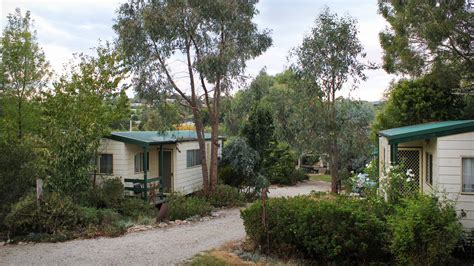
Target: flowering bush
399, 184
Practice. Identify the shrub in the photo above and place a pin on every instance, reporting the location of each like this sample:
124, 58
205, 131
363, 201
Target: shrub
88, 216
399, 184
134, 207
181, 207
56, 213
225, 196
298, 176
423, 230
279, 164
239, 164
339, 229
19, 165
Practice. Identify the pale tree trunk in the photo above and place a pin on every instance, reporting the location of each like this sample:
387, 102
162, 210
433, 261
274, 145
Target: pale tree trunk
214, 151
195, 106
334, 150
202, 148
214, 137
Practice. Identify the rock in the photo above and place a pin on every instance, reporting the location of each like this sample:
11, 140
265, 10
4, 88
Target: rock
2, 243
215, 214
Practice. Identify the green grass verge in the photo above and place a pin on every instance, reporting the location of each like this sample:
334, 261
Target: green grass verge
316, 177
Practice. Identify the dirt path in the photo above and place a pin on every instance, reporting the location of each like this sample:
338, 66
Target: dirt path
164, 246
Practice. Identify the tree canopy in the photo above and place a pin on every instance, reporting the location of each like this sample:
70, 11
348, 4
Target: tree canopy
424, 35
23, 72
327, 59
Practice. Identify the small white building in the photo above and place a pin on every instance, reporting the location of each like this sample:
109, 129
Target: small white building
441, 156
140, 158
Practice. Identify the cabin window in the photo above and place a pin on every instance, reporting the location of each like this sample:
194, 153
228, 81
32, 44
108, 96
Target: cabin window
193, 158
106, 163
468, 175
429, 168
139, 159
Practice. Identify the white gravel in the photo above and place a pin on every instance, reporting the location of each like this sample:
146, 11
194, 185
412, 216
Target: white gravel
161, 246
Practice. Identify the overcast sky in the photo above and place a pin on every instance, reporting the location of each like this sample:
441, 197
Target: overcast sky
65, 27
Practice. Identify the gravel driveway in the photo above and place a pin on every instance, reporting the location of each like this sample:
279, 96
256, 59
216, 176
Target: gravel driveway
161, 246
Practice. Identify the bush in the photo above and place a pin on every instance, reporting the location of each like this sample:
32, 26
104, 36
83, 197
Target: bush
108, 195
279, 164
134, 208
19, 165
339, 230
181, 207
56, 213
88, 216
298, 176
225, 196
239, 164
423, 230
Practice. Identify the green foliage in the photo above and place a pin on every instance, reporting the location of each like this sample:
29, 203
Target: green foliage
24, 71
327, 59
182, 207
135, 208
111, 192
77, 114
225, 196
426, 34
399, 184
162, 117
19, 167
298, 176
416, 101
55, 214
423, 230
88, 216
279, 164
259, 130
110, 195
330, 230
238, 166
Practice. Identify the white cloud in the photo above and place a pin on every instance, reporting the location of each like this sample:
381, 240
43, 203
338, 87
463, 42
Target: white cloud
65, 27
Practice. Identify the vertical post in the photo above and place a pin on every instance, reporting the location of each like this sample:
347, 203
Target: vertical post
145, 172
160, 172
394, 154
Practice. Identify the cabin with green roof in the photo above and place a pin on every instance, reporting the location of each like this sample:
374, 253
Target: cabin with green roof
151, 163
441, 157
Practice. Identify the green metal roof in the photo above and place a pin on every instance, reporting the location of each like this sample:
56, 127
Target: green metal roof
427, 131
146, 138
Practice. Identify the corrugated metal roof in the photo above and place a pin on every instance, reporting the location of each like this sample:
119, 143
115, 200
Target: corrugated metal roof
427, 130
155, 137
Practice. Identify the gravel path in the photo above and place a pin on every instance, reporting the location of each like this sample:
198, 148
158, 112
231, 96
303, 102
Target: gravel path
161, 246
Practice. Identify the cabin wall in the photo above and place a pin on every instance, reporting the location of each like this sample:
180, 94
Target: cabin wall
119, 157
451, 150
187, 179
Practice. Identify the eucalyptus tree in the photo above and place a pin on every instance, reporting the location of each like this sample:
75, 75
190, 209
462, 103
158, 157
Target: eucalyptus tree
196, 49
23, 72
328, 58
423, 35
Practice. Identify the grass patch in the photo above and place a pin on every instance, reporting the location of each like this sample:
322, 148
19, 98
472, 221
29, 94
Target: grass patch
317, 177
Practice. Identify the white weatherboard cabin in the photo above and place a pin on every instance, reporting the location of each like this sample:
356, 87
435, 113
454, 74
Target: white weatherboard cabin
140, 158
441, 156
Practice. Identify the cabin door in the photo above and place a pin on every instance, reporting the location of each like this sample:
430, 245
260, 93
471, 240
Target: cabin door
167, 170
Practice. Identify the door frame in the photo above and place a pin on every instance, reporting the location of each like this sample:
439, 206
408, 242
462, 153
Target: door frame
171, 151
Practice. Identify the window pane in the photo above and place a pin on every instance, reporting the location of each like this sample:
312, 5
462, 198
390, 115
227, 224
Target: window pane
105, 163
468, 175
189, 158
